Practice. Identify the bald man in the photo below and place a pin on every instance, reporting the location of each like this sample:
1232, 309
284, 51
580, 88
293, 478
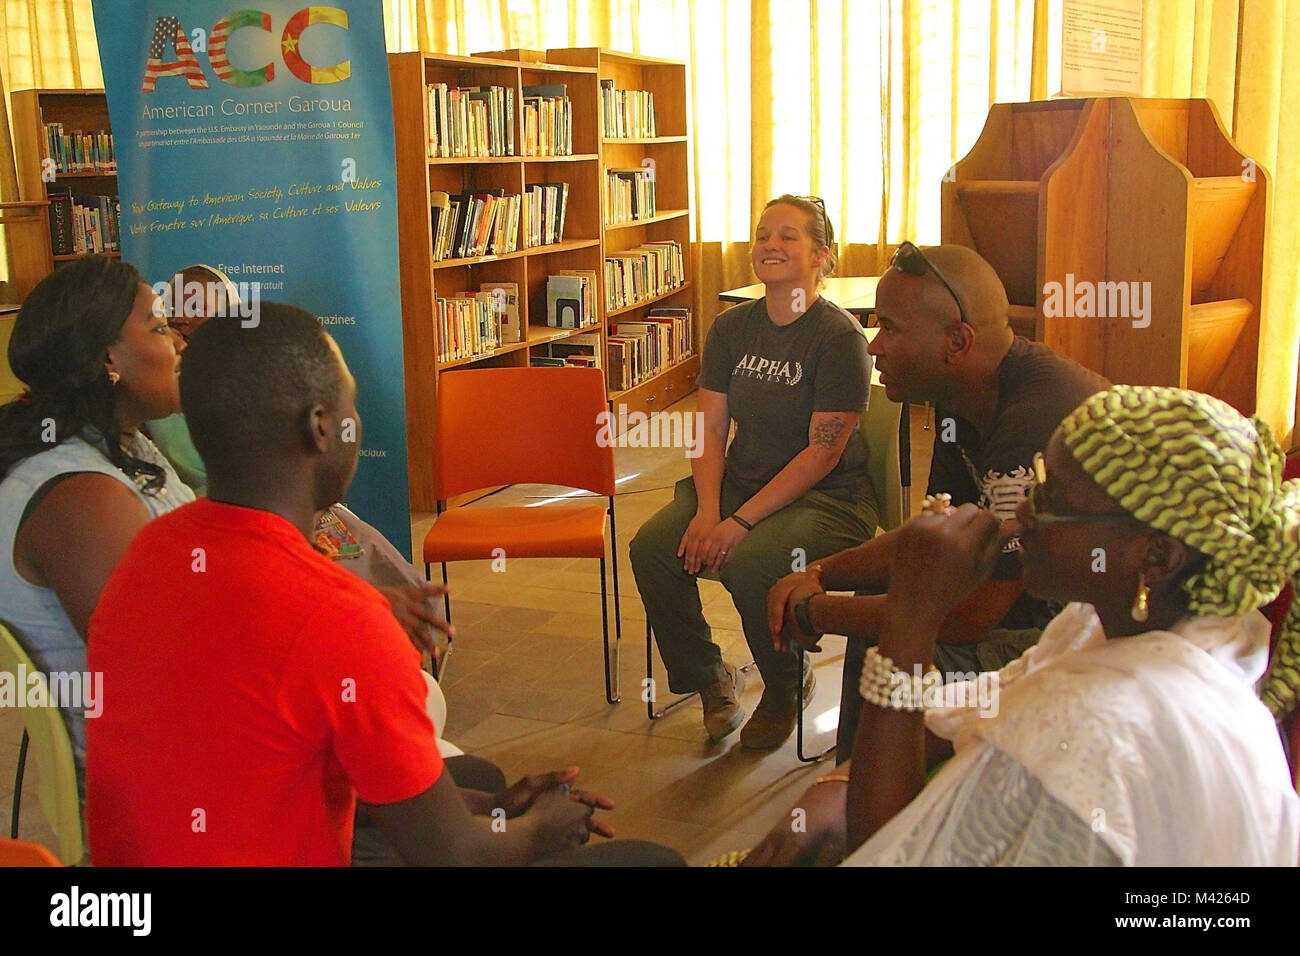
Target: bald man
944, 338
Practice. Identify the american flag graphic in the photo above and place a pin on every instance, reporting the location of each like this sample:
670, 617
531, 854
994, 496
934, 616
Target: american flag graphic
217, 49
169, 30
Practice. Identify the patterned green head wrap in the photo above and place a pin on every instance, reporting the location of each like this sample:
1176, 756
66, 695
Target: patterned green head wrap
1192, 467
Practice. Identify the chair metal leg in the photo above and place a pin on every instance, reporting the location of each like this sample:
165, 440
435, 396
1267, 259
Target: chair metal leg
649, 673
18, 787
446, 598
798, 703
611, 686
650, 676
613, 547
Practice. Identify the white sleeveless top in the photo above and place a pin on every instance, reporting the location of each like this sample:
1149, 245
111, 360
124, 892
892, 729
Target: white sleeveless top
34, 614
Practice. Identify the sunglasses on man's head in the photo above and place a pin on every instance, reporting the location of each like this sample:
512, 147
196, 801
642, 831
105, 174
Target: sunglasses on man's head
908, 258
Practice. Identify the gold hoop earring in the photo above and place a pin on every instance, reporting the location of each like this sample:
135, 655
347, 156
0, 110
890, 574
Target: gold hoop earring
114, 378
1140, 609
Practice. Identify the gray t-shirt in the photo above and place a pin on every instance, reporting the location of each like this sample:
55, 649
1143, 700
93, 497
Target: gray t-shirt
776, 376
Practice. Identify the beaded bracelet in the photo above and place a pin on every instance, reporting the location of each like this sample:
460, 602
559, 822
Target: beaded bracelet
881, 684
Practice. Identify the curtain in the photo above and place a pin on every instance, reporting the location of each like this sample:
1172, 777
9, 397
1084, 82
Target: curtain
1232, 51
863, 102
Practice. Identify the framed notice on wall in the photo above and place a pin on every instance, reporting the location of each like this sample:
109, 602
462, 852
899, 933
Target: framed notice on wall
1101, 48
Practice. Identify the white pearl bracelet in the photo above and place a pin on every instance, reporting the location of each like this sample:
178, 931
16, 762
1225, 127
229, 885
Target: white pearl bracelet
885, 686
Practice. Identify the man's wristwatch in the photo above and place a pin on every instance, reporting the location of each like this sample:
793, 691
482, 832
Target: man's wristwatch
803, 618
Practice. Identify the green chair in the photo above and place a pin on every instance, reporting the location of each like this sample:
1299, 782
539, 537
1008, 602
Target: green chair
879, 428
45, 733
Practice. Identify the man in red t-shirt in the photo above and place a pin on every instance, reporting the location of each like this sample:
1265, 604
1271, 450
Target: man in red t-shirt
254, 690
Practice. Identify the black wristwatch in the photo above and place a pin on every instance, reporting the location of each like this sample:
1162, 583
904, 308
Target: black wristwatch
803, 618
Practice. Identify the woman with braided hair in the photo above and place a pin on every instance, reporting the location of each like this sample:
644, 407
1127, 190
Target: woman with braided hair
78, 478
1132, 733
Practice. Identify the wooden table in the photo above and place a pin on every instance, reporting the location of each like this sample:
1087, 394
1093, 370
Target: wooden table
854, 294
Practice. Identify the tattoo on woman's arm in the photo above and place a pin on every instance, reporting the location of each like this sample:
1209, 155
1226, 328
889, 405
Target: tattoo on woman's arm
827, 433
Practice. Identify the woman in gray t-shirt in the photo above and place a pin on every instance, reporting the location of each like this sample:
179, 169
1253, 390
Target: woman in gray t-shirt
792, 371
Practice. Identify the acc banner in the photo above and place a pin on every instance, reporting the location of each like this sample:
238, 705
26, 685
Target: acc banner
260, 141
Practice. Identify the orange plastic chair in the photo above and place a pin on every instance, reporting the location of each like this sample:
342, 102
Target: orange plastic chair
504, 426
22, 853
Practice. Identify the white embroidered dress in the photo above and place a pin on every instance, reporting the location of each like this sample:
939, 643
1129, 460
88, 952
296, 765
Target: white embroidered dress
1151, 750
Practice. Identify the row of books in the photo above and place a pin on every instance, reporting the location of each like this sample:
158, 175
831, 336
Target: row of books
474, 224
548, 121
470, 120
469, 325
571, 299
629, 194
626, 114
78, 151
639, 350
544, 208
581, 351
84, 224
651, 269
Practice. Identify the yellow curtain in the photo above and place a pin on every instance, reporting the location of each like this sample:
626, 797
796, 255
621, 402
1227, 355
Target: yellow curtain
1232, 52
43, 44
864, 102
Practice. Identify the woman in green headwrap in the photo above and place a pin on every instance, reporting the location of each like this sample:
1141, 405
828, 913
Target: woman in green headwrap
1132, 733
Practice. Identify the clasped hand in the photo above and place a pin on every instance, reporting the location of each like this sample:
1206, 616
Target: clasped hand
520, 797
941, 558
709, 543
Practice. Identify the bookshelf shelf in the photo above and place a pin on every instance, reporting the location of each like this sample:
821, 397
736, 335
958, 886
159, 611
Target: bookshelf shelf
81, 255
424, 281
642, 303
664, 376
542, 334
567, 246
664, 216
470, 160
640, 140
576, 158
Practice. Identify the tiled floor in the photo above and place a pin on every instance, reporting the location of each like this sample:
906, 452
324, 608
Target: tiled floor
524, 687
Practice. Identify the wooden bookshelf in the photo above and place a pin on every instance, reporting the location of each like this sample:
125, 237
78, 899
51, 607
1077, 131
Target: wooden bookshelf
1122, 190
77, 110
670, 154
424, 280
586, 237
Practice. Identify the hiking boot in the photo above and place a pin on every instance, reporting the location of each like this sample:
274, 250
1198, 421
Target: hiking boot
773, 722
722, 710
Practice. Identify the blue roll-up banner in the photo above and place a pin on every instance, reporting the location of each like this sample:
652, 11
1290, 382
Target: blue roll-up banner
257, 136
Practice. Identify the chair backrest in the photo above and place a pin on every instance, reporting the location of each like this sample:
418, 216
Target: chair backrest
51, 747
22, 853
879, 429
502, 426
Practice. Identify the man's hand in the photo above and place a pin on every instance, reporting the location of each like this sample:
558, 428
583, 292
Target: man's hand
781, 599
524, 793
820, 839
691, 547
416, 609
939, 559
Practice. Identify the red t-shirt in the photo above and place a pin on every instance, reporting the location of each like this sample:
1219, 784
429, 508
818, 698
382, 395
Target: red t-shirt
253, 691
